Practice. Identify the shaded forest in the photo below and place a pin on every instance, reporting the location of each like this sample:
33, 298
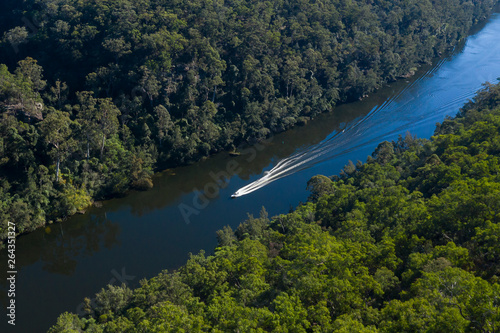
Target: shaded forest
97, 95
407, 242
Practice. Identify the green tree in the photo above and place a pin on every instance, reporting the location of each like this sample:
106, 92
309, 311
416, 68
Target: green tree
57, 132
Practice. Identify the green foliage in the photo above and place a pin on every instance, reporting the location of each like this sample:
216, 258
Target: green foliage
67, 323
110, 300
379, 248
135, 86
54, 163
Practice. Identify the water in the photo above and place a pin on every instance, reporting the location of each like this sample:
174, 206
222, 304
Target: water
137, 236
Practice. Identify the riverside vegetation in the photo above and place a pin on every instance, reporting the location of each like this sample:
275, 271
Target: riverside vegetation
407, 242
109, 91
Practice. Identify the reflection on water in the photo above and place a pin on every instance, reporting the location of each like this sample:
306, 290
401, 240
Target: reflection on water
145, 232
58, 246
429, 97
172, 184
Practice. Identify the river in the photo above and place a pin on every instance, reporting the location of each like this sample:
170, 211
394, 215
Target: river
137, 236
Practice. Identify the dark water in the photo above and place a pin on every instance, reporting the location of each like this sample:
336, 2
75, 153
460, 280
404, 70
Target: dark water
138, 236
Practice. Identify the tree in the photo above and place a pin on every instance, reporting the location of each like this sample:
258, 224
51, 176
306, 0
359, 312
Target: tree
32, 72
67, 323
58, 94
164, 123
112, 299
384, 152
57, 132
226, 237
149, 84
107, 120
290, 314
16, 36
118, 46
85, 112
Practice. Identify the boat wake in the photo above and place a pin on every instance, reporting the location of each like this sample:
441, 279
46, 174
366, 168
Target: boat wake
421, 104
388, 118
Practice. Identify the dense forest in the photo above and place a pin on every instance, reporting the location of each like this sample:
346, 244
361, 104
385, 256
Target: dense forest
97, 95
407, 242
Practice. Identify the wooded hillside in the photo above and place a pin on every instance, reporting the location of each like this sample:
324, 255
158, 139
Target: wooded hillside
96, 95
407, 242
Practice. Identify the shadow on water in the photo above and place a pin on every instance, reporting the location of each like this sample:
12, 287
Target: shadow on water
145, 232
139, 235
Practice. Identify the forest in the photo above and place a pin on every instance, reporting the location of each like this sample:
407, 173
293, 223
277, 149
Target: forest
95, 96
407, 242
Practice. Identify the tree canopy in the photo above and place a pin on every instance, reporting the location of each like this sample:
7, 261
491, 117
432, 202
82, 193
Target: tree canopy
111, 90
407, 242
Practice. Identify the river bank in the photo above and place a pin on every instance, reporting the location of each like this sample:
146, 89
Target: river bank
145, 232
